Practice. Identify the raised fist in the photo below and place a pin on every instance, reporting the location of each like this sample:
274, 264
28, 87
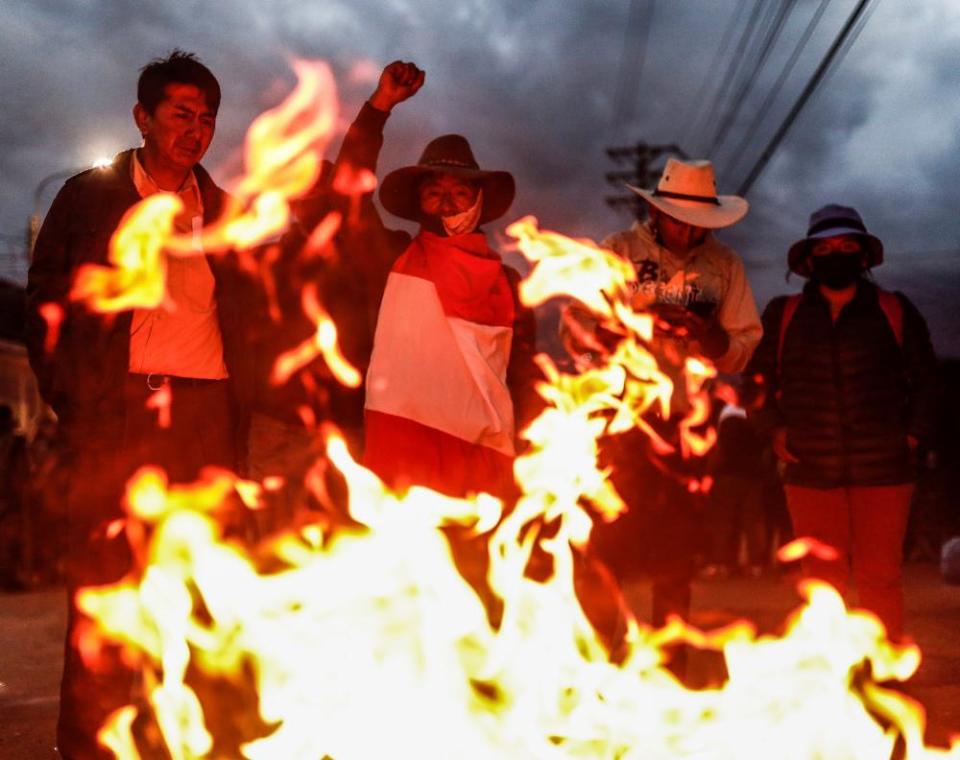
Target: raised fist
399, 81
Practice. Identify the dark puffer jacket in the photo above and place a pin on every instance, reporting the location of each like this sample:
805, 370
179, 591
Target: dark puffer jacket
846, 392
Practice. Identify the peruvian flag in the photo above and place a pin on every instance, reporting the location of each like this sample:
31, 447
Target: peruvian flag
438, 410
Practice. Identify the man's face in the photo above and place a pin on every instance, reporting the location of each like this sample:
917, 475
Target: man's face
178, 132
446, 195
677, 237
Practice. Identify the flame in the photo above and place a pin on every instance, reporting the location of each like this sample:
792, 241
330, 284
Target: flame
323, 343
363, 638
52, 315
375, 624
137, 273
693, 443
161, 401
801, 547
319, 242
577, 268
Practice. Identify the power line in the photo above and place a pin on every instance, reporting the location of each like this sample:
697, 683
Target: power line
694, 107
811, 87
774, 91
854, 35
632, 62
734, 65
737, 101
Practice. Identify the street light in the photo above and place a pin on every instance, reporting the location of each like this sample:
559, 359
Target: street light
33, 223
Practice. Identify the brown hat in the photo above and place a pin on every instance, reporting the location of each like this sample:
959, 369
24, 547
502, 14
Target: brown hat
830, 221
448, 154
687, 191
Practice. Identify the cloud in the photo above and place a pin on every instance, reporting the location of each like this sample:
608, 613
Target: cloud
533, 86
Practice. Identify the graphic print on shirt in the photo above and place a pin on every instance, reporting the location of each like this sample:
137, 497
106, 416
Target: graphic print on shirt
681, 289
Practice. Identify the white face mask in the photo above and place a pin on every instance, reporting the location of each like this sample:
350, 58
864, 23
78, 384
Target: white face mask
461, 224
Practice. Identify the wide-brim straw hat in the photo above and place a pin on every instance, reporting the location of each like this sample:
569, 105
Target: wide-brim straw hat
687, 191
447, 154
830, 221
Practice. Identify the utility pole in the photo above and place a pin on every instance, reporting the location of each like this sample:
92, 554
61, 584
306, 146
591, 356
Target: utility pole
645, 171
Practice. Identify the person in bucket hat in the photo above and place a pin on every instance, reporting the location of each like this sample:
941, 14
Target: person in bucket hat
699, 292
833, 221
852, 391
451, 373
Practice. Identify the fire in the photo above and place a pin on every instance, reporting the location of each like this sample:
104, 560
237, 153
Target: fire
323, 343
801, 547
568, 267
359, 636
137, 273
374, 625
52, 315
161, 402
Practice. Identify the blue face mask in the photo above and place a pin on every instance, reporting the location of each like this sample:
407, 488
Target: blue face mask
836, 270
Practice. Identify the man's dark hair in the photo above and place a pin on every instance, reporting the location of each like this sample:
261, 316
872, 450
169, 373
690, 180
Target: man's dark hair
179, 67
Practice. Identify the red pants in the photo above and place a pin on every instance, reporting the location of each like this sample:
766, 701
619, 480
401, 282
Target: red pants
866, 525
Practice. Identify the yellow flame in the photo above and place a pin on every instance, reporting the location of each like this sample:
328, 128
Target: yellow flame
323, 343
375, 626
577, 268
801, 547
136, 276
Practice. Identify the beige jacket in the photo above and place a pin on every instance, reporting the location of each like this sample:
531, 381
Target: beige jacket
710, 280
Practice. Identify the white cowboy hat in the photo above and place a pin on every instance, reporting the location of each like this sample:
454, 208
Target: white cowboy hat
687, 191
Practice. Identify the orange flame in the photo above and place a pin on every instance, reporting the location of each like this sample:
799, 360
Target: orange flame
383, 614
802, 547
52, 314
576, 268
319, 242
161, 401
323, 343
136, 276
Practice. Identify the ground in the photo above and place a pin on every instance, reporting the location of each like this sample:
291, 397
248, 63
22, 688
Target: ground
31, 632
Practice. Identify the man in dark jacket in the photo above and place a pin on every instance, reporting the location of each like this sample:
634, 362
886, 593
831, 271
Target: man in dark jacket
139, 386
852, 390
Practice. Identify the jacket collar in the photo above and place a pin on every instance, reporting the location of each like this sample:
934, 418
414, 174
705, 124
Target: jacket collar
212, 196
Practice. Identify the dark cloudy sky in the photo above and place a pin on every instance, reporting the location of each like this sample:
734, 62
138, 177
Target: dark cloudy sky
536, 85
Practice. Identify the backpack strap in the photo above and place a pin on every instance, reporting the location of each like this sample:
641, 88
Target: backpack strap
889, 304
789, 309
893, 311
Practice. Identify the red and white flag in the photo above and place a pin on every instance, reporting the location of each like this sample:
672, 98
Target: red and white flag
438, 410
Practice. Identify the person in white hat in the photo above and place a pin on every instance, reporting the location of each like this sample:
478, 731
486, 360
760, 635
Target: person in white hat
695, 283
852, 393
704, 305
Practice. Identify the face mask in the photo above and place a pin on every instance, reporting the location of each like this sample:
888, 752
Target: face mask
461, 224
836, 270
